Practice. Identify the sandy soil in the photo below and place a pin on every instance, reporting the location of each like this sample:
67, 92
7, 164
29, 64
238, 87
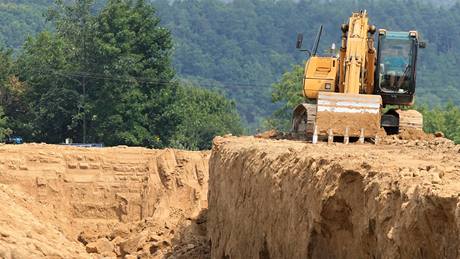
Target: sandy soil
24, 234
291, 199
64, 202
267, 199
369, 122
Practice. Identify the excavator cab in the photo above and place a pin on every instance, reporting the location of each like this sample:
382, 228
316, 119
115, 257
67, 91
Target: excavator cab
395, 67
395, 78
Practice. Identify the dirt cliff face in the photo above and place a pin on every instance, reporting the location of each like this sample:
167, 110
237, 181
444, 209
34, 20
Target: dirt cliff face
110, 202
267, 199
286, 199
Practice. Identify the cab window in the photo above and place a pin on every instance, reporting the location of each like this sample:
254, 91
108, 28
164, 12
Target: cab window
395, 65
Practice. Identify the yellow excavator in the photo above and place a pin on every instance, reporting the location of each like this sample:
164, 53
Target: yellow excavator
345, 93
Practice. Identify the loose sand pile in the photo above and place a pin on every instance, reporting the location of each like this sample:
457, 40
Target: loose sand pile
24, 234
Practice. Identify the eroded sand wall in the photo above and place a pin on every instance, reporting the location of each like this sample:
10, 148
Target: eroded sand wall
284, 199
105, 193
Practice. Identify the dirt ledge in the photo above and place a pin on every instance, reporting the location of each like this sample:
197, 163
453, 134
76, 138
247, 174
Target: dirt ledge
287, 199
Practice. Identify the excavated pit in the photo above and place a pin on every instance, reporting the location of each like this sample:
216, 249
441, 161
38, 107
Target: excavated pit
67, 202
267, 199
287, 199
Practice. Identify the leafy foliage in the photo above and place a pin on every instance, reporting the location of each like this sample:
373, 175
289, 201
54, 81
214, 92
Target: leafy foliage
107, 77
7, 85
128, 42
288, 93
442, 118
203, 115
51, 99
4, 130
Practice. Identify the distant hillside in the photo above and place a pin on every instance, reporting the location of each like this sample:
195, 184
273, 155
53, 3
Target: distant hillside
243, 46
248, 44
19, 19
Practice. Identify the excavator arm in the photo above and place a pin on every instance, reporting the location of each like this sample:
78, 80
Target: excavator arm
352, 110
357, 55
341, 88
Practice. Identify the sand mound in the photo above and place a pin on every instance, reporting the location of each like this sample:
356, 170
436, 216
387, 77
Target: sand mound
414, 134
24, 235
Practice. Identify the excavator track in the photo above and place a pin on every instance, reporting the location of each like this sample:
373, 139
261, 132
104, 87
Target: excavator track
303, 120
395, 121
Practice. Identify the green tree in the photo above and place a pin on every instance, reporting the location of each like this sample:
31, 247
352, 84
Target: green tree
442, 118
122, 99
6, 72
203, 115
288, 93
10, 92
132, 53
75, 27
52, 101
4, 130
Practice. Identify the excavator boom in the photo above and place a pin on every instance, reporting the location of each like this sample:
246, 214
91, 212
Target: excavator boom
351, 113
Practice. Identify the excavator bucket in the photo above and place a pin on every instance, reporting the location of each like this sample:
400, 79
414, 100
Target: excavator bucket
354, 115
